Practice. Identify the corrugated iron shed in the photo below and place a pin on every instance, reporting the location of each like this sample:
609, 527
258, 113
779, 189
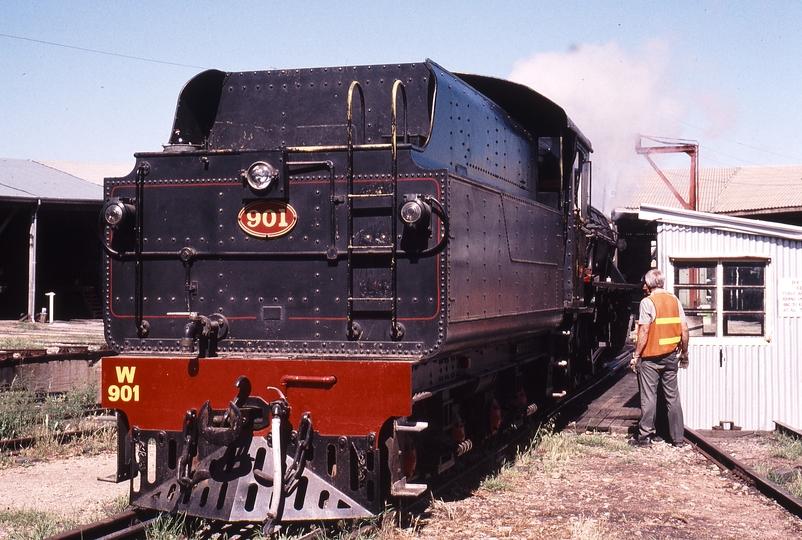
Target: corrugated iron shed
22, 180
738, 191
749, 380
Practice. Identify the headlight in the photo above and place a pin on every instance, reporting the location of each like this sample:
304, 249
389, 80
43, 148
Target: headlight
116, 212
261, 176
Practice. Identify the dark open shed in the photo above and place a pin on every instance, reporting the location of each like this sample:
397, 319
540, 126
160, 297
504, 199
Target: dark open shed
48, 242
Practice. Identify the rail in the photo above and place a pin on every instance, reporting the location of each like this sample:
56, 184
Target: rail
130, 524
785, 429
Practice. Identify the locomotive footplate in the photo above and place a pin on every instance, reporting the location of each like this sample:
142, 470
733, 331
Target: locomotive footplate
323, 477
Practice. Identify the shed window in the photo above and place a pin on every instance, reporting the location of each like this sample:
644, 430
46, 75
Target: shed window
722, 298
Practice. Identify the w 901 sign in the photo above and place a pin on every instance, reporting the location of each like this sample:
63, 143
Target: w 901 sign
267, 219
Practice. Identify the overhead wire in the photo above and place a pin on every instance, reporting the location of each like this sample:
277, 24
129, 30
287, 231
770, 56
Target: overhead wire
96, 51
795, 158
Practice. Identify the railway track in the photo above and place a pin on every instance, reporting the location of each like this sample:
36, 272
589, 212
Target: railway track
745, 472
102, 420
128, 525
13, 445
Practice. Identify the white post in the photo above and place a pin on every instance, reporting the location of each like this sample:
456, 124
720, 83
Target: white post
52, 295
32, 264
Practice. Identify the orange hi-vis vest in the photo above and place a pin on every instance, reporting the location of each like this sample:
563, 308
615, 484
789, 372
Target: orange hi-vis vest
665, 332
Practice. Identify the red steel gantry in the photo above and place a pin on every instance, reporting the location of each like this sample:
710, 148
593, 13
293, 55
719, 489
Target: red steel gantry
669, 146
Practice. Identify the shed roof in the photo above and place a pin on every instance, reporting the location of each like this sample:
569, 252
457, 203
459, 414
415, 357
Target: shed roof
739, 225
762, 188
93, 172
721, 190
25, 180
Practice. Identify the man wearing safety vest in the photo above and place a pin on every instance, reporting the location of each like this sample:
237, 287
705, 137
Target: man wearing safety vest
661, 348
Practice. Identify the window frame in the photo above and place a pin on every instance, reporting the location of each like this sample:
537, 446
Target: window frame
722, 316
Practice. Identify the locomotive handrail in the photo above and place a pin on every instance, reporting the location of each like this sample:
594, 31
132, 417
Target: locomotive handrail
396, 86
355, 86
395, 331
331, 252
290, 149
101, 232
141, 326
440, 212
270, 255
349, 315
342, 147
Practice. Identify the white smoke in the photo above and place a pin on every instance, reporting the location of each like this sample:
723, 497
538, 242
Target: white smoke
612, 95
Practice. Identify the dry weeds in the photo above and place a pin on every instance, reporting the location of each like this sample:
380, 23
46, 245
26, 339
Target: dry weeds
597, 487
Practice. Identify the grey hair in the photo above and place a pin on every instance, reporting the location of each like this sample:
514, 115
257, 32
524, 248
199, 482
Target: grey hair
655, 279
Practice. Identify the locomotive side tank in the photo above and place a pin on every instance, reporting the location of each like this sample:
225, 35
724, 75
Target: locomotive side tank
333, 283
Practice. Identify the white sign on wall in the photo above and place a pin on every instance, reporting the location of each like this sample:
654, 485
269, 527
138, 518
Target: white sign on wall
790, 295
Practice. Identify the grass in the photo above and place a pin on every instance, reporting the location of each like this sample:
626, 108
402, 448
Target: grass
118, 505
589, 529
792, 485
26, 335
17, 413
500, 480
786, 447
175, 527
24, 413
183, 527
18, 342
29, 524
789, 448
551, 451
557, 449
32, 524
795, 486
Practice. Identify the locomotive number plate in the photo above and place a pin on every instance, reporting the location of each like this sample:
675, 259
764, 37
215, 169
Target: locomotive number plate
267, 219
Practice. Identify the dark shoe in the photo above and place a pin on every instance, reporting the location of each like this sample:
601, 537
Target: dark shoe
656, 438
640, 442
679, 444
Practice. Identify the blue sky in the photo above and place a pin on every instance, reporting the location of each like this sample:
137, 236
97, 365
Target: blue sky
724, 73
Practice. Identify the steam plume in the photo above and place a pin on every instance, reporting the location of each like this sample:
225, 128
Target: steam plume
612, 95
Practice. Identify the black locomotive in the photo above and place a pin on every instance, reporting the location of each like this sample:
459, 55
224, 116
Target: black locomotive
333, 283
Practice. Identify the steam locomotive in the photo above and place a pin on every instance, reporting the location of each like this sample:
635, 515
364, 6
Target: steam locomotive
335, 284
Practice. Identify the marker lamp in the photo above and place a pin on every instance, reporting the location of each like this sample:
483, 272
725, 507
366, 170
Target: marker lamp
261, 176
116, 212
415, 213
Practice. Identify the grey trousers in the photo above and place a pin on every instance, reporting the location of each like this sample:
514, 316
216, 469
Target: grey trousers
660, 372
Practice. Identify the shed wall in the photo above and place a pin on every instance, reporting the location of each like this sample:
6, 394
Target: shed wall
749, 381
